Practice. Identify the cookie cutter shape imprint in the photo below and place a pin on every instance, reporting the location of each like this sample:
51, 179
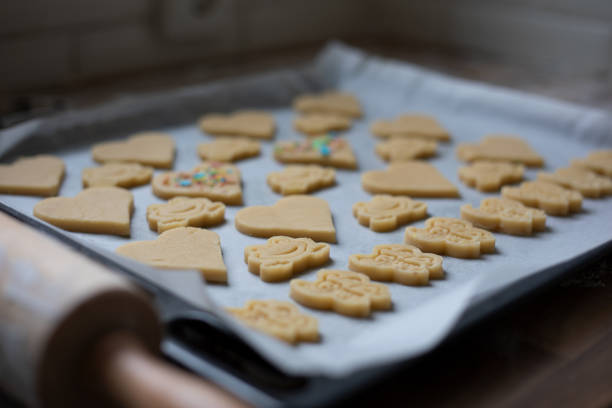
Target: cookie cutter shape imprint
502, 214
551, 198
451, 236
345, 292
401, 263
279, 319
487, 175
298, 179
385, 212
124, 175
586, 182
184, 212
282, 257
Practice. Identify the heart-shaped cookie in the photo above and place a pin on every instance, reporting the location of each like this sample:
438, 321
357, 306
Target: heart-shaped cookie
242, 123
98, 210
412, 178
294, 216
38, 175
147, 148
181, 248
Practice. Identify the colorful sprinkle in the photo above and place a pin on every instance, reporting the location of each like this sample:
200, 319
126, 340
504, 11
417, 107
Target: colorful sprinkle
212, 175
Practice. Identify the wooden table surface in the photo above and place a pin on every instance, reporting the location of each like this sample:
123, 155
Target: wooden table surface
551, 349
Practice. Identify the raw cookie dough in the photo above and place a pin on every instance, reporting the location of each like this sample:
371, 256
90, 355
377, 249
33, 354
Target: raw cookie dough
401, 263
485, 175
147, 148
241, 123
412, 178
185, 212
181, 248
599, 161
214, 180
452, 237
588, 183
228, 149
402, 149
500, 148
502, 214
319, 123
301, 179
279, 319
411, 125
282, 257
386, 213
124, 175
551, 198
294, 216
340, 103
37, 175
344, 292
325, 150
97, 210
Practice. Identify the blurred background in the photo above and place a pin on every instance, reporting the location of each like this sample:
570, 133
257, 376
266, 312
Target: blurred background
58, 54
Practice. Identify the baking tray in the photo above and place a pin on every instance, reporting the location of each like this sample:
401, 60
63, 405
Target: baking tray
256, 367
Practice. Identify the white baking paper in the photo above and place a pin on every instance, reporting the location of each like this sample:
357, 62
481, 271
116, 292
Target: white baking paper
421, 316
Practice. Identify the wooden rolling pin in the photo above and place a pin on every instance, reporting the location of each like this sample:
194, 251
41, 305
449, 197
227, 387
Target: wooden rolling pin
73, 334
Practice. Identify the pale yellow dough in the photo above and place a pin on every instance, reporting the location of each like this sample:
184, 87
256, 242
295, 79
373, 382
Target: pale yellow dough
452, 237
502, 214
330, 102
147, 148
249, 123
185, 212
553, 199
411, 126
412, 178
402, 149
301, 179
599, 161
37, 175
386, 213
500, 148
310, 151
586, 182
98, 210
344, 292
489, 176
294, 216
282, 257
318, 123
228, 149
401, 263
214, 180
124, 175
279, 319
181, 248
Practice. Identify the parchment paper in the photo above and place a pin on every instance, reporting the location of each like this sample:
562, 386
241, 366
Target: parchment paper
421, 316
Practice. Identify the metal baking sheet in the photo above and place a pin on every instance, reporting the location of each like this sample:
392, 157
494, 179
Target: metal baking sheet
421, 317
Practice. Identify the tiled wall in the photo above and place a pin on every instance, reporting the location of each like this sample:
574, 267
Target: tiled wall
58, 42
